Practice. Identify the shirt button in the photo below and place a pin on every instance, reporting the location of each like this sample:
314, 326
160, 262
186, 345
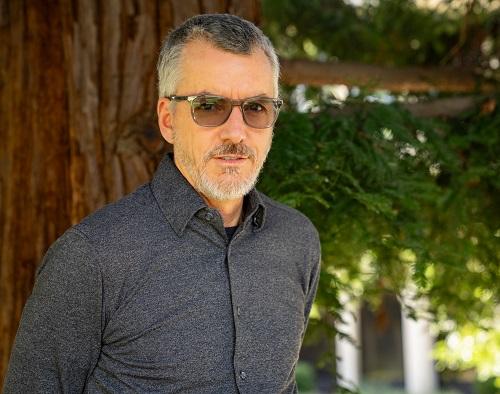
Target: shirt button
243, 375
238, 310
209, 216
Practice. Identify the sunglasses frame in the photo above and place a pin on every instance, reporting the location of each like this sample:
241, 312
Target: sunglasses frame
277, 103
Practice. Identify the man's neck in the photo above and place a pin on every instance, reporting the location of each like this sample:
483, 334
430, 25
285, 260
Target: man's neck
230, 210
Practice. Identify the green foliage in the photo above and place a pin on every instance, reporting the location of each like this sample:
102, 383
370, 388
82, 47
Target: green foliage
488, 387
306, 377
373, 388
385, 32
394, 198
471, 346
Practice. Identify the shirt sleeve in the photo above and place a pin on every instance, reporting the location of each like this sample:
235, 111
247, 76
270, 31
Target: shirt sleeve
58, 340
315, 264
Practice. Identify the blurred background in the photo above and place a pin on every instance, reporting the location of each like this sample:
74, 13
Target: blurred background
389, 141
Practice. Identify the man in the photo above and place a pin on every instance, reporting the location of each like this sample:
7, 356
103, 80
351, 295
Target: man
196, 282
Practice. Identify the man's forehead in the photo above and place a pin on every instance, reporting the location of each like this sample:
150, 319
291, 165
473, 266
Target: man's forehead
206, 68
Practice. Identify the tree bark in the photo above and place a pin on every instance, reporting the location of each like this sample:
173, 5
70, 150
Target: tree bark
77, 120
408, 79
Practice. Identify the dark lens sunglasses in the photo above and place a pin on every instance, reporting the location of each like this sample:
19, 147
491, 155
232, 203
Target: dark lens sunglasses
212, 111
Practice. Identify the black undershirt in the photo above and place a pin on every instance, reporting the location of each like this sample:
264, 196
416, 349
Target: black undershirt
230, 232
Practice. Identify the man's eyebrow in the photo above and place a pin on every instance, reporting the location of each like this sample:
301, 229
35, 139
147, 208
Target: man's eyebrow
203, 92
208, 93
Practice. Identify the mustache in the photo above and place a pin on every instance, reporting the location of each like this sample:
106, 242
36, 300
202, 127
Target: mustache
231, 149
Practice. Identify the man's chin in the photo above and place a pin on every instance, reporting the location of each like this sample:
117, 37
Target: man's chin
226, 187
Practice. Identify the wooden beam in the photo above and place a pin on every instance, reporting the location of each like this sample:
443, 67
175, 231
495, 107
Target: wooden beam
411, 79
445, 107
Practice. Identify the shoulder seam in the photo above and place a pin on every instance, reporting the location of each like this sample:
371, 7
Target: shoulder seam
81, 234
283, 207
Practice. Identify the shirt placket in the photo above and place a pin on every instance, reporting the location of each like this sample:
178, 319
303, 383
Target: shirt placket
242, 366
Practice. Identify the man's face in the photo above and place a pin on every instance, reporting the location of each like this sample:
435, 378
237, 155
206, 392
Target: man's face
223, 162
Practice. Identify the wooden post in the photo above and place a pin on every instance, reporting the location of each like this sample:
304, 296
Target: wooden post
420, 374
347, 351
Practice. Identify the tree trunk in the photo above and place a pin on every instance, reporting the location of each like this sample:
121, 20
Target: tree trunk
77, 120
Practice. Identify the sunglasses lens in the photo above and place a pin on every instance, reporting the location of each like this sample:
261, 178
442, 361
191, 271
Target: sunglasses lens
211, 111
260, 113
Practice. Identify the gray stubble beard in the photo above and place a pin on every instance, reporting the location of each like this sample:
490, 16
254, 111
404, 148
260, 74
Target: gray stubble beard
225, 190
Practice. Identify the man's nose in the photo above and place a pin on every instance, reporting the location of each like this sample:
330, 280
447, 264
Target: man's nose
235, 128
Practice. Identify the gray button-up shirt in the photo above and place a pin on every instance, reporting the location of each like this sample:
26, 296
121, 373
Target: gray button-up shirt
148, 295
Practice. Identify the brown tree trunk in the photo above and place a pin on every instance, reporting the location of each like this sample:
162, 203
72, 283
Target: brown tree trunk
77, 120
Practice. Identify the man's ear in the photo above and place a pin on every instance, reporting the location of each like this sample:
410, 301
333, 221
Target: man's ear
165, 116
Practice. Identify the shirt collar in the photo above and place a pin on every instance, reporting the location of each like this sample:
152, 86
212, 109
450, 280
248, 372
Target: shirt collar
179, 201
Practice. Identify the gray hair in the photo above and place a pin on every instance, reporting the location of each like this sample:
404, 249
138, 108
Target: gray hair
227, 32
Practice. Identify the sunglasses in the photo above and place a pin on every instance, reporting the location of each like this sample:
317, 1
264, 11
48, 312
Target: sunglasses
211, 111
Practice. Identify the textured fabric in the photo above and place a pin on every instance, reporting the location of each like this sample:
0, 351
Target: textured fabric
148, 295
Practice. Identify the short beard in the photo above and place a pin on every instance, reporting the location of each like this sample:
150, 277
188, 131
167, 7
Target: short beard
231, 189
